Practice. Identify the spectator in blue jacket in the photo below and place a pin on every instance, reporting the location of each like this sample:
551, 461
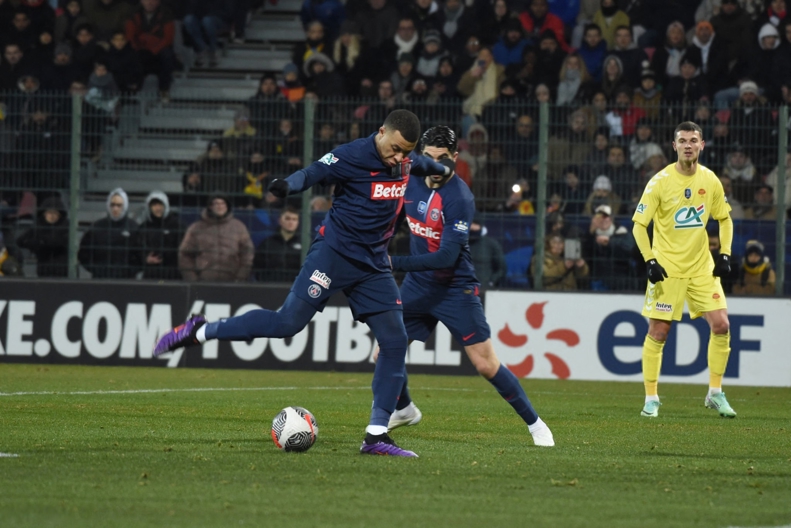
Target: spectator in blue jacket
509, 47
330, 13
593, 51
565, 10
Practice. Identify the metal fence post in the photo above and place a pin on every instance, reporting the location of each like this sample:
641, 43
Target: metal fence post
307, 158
541, 200
74, 183
780, 192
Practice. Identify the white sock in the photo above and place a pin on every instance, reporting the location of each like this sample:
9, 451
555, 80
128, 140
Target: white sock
537, 426
201, 334
376, 430
714, 390
651, 398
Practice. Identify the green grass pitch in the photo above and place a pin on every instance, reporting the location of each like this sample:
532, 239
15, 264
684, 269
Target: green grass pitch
138, 448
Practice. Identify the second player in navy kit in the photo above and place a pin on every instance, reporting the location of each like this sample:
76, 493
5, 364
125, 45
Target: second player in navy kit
441, 286
349, 254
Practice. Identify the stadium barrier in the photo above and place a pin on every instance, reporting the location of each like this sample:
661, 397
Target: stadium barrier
519, 156
536, 334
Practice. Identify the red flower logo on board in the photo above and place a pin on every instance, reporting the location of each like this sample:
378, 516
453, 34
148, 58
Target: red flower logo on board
535, 318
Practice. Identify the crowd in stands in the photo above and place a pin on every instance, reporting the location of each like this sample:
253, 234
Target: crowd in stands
618, 74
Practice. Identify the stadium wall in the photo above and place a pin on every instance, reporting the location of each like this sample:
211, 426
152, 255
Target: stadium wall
537, 334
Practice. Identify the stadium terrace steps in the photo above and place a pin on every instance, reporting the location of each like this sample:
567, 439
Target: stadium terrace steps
135, 181
184, 118
161, 149
275, 28
282, 6
214, 89
250, 59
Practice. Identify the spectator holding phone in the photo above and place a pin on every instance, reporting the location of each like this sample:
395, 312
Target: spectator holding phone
563, 266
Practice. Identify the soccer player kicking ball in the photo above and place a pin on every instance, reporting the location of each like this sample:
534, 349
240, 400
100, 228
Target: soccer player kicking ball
441, 285
679, 199
350, 254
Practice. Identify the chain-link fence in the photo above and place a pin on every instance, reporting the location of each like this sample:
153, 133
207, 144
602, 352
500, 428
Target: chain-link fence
553, 184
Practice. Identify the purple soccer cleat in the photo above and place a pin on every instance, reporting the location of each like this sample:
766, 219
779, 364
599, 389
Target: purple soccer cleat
383, 445
183, 335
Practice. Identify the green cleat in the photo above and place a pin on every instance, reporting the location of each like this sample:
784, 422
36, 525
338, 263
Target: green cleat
720, 404
651, 409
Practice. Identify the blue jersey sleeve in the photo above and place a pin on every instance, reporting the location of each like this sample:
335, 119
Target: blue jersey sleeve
425, 166
321, 170
444, 257
457, 219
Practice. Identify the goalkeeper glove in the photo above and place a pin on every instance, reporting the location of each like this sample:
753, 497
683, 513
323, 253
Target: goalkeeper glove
656, 273
279, 188
722, 267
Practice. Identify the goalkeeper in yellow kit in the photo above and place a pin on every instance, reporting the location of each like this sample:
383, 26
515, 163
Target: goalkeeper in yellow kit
680, 199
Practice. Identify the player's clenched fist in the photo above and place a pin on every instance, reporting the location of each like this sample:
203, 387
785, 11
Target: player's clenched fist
656, 273
722, 267
279, 188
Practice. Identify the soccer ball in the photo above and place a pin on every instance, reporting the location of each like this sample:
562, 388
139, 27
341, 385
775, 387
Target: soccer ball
294, 429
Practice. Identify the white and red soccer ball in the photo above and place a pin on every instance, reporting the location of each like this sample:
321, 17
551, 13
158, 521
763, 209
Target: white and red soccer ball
294, 429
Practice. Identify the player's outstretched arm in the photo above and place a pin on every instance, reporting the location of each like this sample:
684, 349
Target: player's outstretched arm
425, 166
444, 257
300, 180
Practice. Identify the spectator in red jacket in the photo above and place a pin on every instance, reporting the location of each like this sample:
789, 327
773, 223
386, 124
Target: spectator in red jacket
538, 19
151, 31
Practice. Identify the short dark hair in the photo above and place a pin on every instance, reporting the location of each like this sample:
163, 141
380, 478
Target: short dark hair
440, 137
688, 126
627, 28
289, 209
405, 122
588, 27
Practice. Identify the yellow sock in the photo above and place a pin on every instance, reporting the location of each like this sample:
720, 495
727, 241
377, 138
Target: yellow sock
652, 364
719, 350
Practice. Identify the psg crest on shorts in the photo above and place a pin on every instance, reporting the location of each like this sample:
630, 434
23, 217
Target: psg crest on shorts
687, 193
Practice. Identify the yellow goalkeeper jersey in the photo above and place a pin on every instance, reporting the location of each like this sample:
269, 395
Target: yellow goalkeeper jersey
680, 207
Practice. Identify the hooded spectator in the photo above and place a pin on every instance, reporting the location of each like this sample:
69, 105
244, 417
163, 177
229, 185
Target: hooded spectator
487, 255
159, 237
508, 48
107, 248
321, 77
48, 239
756, 276
217, 247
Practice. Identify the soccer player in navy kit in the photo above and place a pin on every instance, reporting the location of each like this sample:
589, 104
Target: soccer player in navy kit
350, 254
441, 285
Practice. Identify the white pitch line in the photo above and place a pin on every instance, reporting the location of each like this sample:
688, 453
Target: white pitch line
202, 389
8, 455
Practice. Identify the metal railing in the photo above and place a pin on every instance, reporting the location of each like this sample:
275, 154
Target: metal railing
536, 170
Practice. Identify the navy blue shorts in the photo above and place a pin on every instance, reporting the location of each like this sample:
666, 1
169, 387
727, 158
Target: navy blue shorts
326, 271
459, 309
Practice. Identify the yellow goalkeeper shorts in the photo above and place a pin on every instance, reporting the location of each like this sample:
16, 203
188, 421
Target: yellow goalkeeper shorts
665, 300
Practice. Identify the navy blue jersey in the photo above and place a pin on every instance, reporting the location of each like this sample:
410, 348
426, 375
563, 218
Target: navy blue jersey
435, 215
367, 199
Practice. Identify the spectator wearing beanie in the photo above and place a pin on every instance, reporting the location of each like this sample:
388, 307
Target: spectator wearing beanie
431, 54
648, 96
756, 276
